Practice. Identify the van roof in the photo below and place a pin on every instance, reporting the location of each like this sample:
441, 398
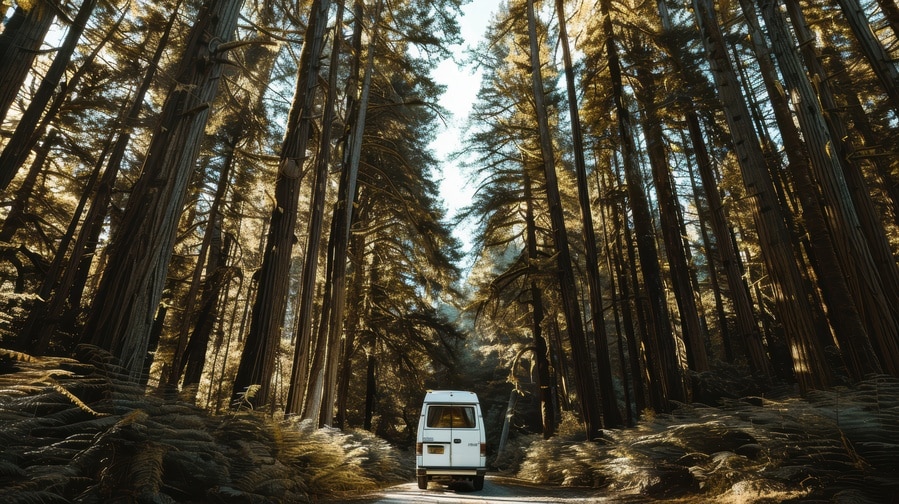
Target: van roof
451, 396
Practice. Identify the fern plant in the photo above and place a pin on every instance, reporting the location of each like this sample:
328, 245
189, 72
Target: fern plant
80, 430
840, 442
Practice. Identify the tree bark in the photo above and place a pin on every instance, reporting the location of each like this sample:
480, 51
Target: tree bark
325, 361
257, 363
361, 302
371, 390
190, 355
891, 13
18, 208
610, 412
584, 376
847, 264
20, 42
746, 324
541, 358
128, 296
882, 64
43, 320
712, 258
843, 314
26, 134
218, 276
787, 283
869, 218
663, 368
624, 319
17, 217
869, 148
669, 212
30, 337
316, 217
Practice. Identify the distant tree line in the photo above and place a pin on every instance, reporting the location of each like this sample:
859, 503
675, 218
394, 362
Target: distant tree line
238, 200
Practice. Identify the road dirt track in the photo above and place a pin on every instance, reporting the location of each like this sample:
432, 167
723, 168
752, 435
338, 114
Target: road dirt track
497, 490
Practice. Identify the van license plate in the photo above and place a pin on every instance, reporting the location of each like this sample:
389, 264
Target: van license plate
435, 449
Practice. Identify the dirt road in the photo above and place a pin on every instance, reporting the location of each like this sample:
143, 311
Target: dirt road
497, 490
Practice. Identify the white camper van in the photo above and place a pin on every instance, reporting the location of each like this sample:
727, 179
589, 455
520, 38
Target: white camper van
451, 440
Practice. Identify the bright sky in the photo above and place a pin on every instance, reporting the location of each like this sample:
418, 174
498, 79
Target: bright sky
461, 92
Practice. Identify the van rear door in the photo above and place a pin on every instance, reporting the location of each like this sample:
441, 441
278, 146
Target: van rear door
451, 437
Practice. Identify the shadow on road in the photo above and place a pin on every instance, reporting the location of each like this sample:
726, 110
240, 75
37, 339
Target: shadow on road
497, 490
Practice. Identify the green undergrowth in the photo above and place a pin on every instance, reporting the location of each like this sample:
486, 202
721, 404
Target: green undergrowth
77, 431
839, 445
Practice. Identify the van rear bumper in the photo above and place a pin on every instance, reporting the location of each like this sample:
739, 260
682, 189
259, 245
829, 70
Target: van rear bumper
450, 471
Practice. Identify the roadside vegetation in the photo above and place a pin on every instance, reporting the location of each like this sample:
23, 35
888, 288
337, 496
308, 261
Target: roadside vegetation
837, 445
78, 430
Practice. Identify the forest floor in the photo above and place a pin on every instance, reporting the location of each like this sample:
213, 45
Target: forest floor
75, 430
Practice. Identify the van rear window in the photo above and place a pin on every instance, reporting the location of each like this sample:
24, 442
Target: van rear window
454, 417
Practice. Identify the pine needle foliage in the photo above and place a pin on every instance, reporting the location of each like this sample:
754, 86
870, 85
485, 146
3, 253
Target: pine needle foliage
78, 430
831, 446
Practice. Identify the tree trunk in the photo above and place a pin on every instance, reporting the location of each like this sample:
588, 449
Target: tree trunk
26, 134
352, 320
848, 266
669, 212
43, 322
361, 308
870, 149
301, 375
711, 256
842, 313
748, 333
370, 390
20, 42
29, 337
891, 13
634, 303
190, 355
123, 309
507, 421
624, 318
541, 359
39, 343
662, 363
257, 363
313, 243
873, 276
18, 208
16, 219
311, 366
210, 247
610, 412
345, 221
362, 298
788, 285
584, 376
218, 275
882, 64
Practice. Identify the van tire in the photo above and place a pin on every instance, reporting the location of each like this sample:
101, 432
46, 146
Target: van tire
423, 482
478, 482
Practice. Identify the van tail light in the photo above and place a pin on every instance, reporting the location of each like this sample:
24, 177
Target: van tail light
483, 449
418, 448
